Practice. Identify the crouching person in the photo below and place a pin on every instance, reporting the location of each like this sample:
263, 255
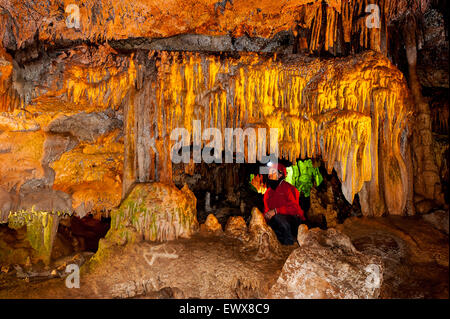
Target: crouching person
282, 210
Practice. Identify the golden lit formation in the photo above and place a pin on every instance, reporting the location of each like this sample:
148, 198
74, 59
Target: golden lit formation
343, 110
248, 149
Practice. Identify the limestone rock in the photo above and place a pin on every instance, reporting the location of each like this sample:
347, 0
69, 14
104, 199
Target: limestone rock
156, 212
327, 265
6, 204
46, 200
152, 22
322, 209
91, 173
262, 237
414, 254
302, 234
236, 227
83, 126
20, 155
439, 219
89, 101
211, 225
41, 228
14, 123
257, 237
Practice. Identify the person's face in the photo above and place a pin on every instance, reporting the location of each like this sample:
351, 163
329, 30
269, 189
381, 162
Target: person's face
274, 174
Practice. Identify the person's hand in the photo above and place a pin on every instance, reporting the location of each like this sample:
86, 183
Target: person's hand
270, 214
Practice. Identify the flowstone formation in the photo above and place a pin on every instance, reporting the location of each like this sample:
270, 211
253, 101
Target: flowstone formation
155, 212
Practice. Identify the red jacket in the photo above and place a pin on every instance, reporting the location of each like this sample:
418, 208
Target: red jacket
285, 199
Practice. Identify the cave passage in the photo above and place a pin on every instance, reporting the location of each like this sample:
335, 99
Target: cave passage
84, 234
225, 190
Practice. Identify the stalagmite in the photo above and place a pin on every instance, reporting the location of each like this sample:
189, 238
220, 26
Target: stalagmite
427, 180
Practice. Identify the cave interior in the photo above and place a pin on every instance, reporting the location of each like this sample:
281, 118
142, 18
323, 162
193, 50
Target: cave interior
91, 93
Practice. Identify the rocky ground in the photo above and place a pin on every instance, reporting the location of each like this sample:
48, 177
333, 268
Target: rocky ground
211, 264
217, 264
415, 254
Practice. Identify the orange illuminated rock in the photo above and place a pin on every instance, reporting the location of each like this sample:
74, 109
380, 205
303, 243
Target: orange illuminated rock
211, 225
236, 227
92, 174
352, 112
262, 238
154, 212
149, 18
328, 26
6, 205
9, 99
20, 158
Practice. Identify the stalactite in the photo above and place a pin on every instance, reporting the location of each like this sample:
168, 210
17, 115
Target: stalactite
321, 108
344, 110
105, 87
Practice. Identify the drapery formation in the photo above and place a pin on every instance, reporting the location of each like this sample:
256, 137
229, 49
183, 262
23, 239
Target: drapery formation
352, 112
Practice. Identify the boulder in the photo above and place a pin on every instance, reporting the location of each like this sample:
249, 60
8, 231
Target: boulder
327, 265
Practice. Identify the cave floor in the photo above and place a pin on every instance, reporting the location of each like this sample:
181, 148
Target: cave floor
204, 266
415, 254
415, 257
